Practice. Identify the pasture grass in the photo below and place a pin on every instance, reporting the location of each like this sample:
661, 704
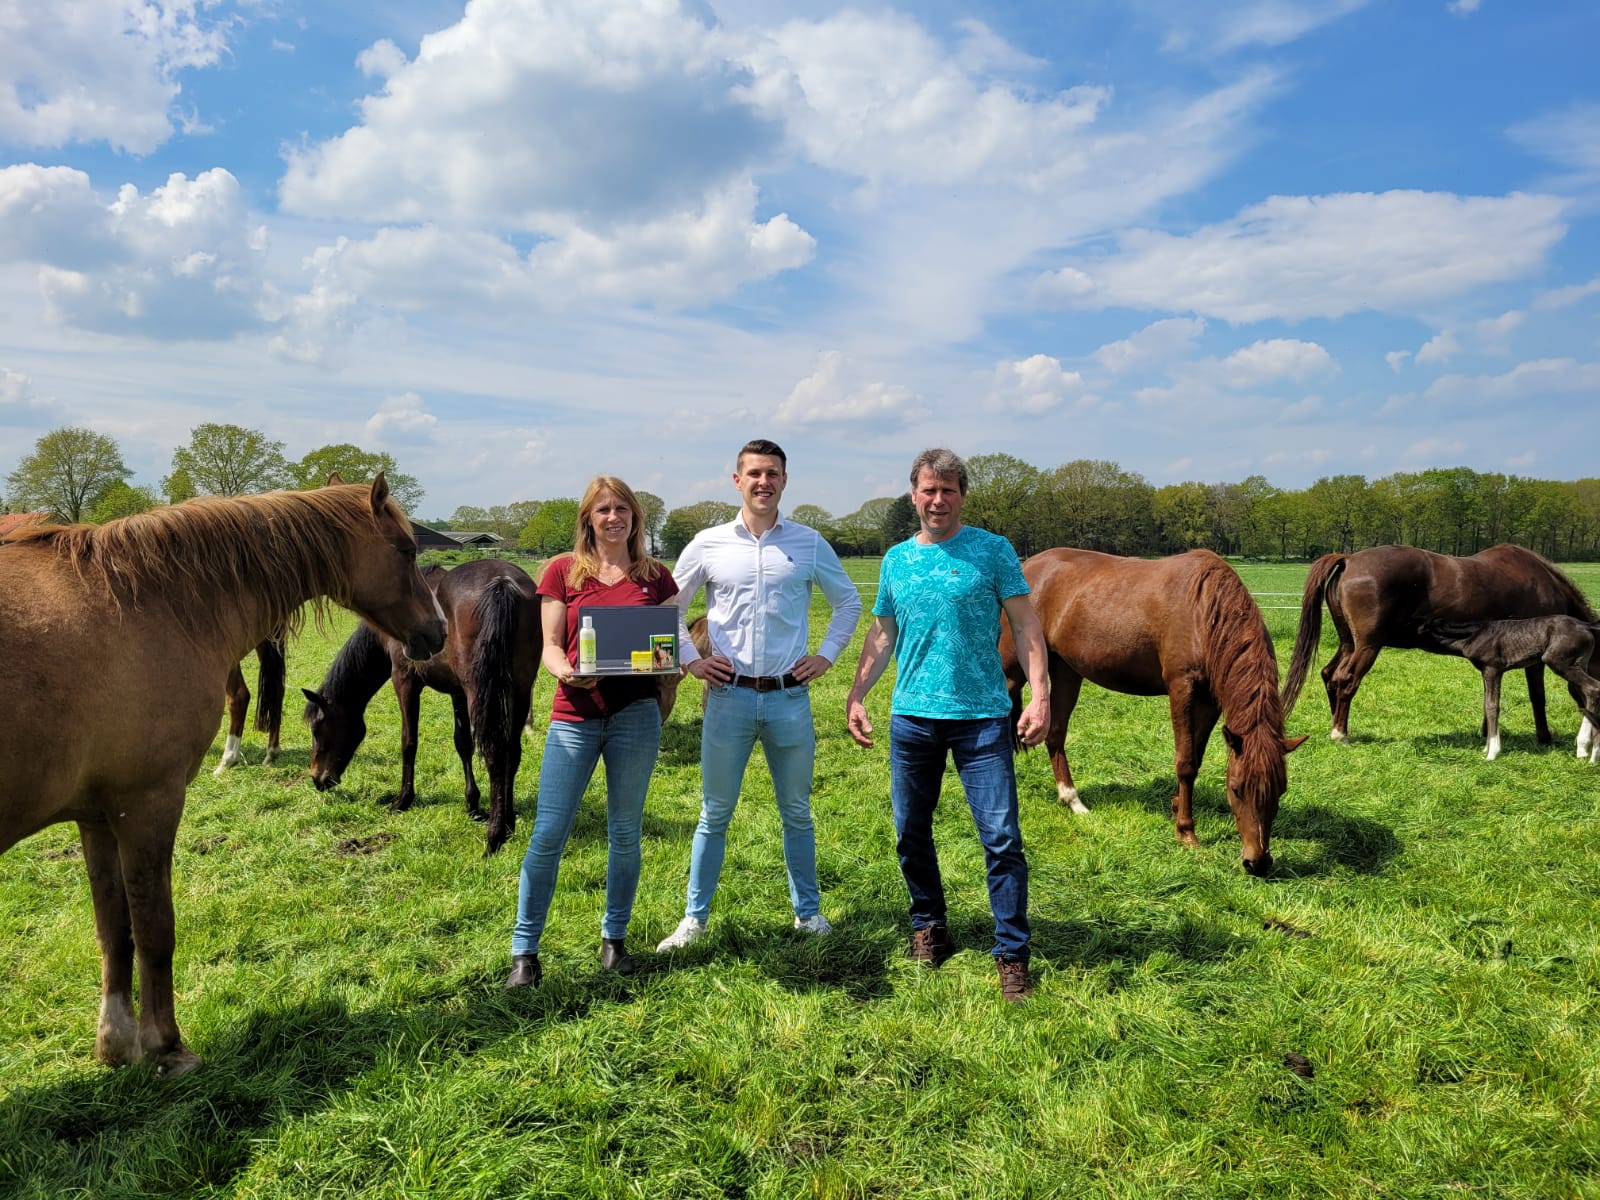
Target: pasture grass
1427, 945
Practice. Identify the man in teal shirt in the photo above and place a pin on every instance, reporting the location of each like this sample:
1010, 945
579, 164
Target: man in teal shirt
940, 596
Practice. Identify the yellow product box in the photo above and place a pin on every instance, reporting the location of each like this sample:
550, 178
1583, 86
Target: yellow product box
643, 660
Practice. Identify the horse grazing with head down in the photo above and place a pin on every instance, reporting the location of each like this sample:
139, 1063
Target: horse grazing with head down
115, 644
1184, 627
1382, 597
488, 668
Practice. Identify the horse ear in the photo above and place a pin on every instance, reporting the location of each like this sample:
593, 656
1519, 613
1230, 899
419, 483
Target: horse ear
1292, 744
380, 492
335, 479
315, 700
1235, 742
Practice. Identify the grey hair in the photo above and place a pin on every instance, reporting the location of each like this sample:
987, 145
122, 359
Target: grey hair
943, 463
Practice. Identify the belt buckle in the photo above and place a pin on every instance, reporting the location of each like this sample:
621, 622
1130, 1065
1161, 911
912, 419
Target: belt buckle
768, 683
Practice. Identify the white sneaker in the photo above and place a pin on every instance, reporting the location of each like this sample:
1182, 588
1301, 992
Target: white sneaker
690, 929
817, 925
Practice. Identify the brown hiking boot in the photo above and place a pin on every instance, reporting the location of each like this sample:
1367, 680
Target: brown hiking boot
931, 945
1015, 985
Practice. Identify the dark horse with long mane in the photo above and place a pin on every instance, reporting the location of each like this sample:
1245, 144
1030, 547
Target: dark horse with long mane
115, 643
272, 669
1382, 596
487, 668
1184, 627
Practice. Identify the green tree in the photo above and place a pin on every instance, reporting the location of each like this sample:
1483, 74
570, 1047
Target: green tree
1339, 508
549, 532
655, 516
815, 517
900, 520
469, 517
1183, 516
355, 465
66, 473
121, 499
861, 532
230, 460
683, 523
1000, 488
178, 487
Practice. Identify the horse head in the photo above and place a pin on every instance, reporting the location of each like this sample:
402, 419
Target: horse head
337, 731
385, 585
1257, 779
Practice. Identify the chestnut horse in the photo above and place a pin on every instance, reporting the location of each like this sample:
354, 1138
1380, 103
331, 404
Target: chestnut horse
272, 669
115, 643
1184, 627
1381, 597
487, 668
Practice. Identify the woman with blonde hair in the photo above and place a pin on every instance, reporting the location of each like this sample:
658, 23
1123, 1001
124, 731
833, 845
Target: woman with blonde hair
615, 719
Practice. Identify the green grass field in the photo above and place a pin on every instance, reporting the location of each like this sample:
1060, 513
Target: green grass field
1427, 943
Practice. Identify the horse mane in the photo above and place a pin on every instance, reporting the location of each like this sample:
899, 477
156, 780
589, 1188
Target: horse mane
278, 547
1582, 609
358, 670
1240, 663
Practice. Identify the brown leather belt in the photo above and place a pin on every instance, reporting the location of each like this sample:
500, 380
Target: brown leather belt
766, 683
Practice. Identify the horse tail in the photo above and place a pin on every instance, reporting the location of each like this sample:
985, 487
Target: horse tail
1324, 573
271, 670
492, 669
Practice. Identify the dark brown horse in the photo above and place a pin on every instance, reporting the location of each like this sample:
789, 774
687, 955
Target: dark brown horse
487, 668
115, 643
272, 669
1184, 627
1381, 597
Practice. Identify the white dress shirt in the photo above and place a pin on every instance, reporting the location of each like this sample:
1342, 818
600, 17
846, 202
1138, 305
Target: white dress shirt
758, 594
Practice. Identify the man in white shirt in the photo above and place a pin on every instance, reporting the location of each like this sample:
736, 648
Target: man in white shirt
758, 571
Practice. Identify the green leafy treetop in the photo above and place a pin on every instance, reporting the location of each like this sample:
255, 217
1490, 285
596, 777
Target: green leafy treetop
355, 465
66, 473
228, 460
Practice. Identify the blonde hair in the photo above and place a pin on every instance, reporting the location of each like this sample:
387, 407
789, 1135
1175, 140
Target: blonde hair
586, 558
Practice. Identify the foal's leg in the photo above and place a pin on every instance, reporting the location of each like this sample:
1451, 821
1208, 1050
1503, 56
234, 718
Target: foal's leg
1065, 684
145, 849
238, 706
1541, 726
408, 692
463, 741
1585, 691
1194, 716
116, 1042
1491, 713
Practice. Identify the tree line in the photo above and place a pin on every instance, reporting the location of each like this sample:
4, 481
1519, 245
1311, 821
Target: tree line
77, 474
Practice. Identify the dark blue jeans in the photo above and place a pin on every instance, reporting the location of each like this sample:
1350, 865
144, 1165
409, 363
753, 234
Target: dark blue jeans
918, 748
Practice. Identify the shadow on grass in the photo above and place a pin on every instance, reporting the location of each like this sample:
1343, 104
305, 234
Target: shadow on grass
680, 737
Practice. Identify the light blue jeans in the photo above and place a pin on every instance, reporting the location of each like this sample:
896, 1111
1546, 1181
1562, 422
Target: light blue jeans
736, 719
628, 741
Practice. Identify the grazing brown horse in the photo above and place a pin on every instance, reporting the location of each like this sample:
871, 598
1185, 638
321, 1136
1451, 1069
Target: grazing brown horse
1184, 627
488, 668
115, 643
272, 669
1381, 597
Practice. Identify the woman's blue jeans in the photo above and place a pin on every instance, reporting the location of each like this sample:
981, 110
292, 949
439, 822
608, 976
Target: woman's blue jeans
982, 749
628, 741
736, 719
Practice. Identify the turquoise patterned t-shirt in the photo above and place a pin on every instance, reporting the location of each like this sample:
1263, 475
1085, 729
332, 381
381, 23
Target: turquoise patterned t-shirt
945, 599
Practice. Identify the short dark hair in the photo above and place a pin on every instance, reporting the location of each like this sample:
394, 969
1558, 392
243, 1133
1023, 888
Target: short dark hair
943, 463
762, 446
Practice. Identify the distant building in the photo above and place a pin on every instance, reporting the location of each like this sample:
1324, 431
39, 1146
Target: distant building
433, 539
478, 538
12, 522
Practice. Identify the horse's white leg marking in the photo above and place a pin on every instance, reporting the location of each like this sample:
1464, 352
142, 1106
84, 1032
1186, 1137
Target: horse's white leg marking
1587, 741
1338, 735
272, 757
230, 755
1069, 797
1494, 746
117, 1040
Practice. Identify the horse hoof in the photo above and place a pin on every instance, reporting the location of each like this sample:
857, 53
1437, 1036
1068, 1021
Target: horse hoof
1338, 735
478, 815
179, 1062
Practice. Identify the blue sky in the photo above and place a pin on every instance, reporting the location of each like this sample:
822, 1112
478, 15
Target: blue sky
519, 242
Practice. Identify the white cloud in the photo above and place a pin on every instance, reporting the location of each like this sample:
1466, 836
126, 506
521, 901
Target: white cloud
1036, 384
830, 395
1533, 380
1156, 342
1228, 25
183, 263
1463, 8
100, 70
1570, 138
402, 419
1434, 449
1277, 358
1521, 462
1442, 347
1301, 409
1564, 297
1493, 333
1293, 257
1397, 359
